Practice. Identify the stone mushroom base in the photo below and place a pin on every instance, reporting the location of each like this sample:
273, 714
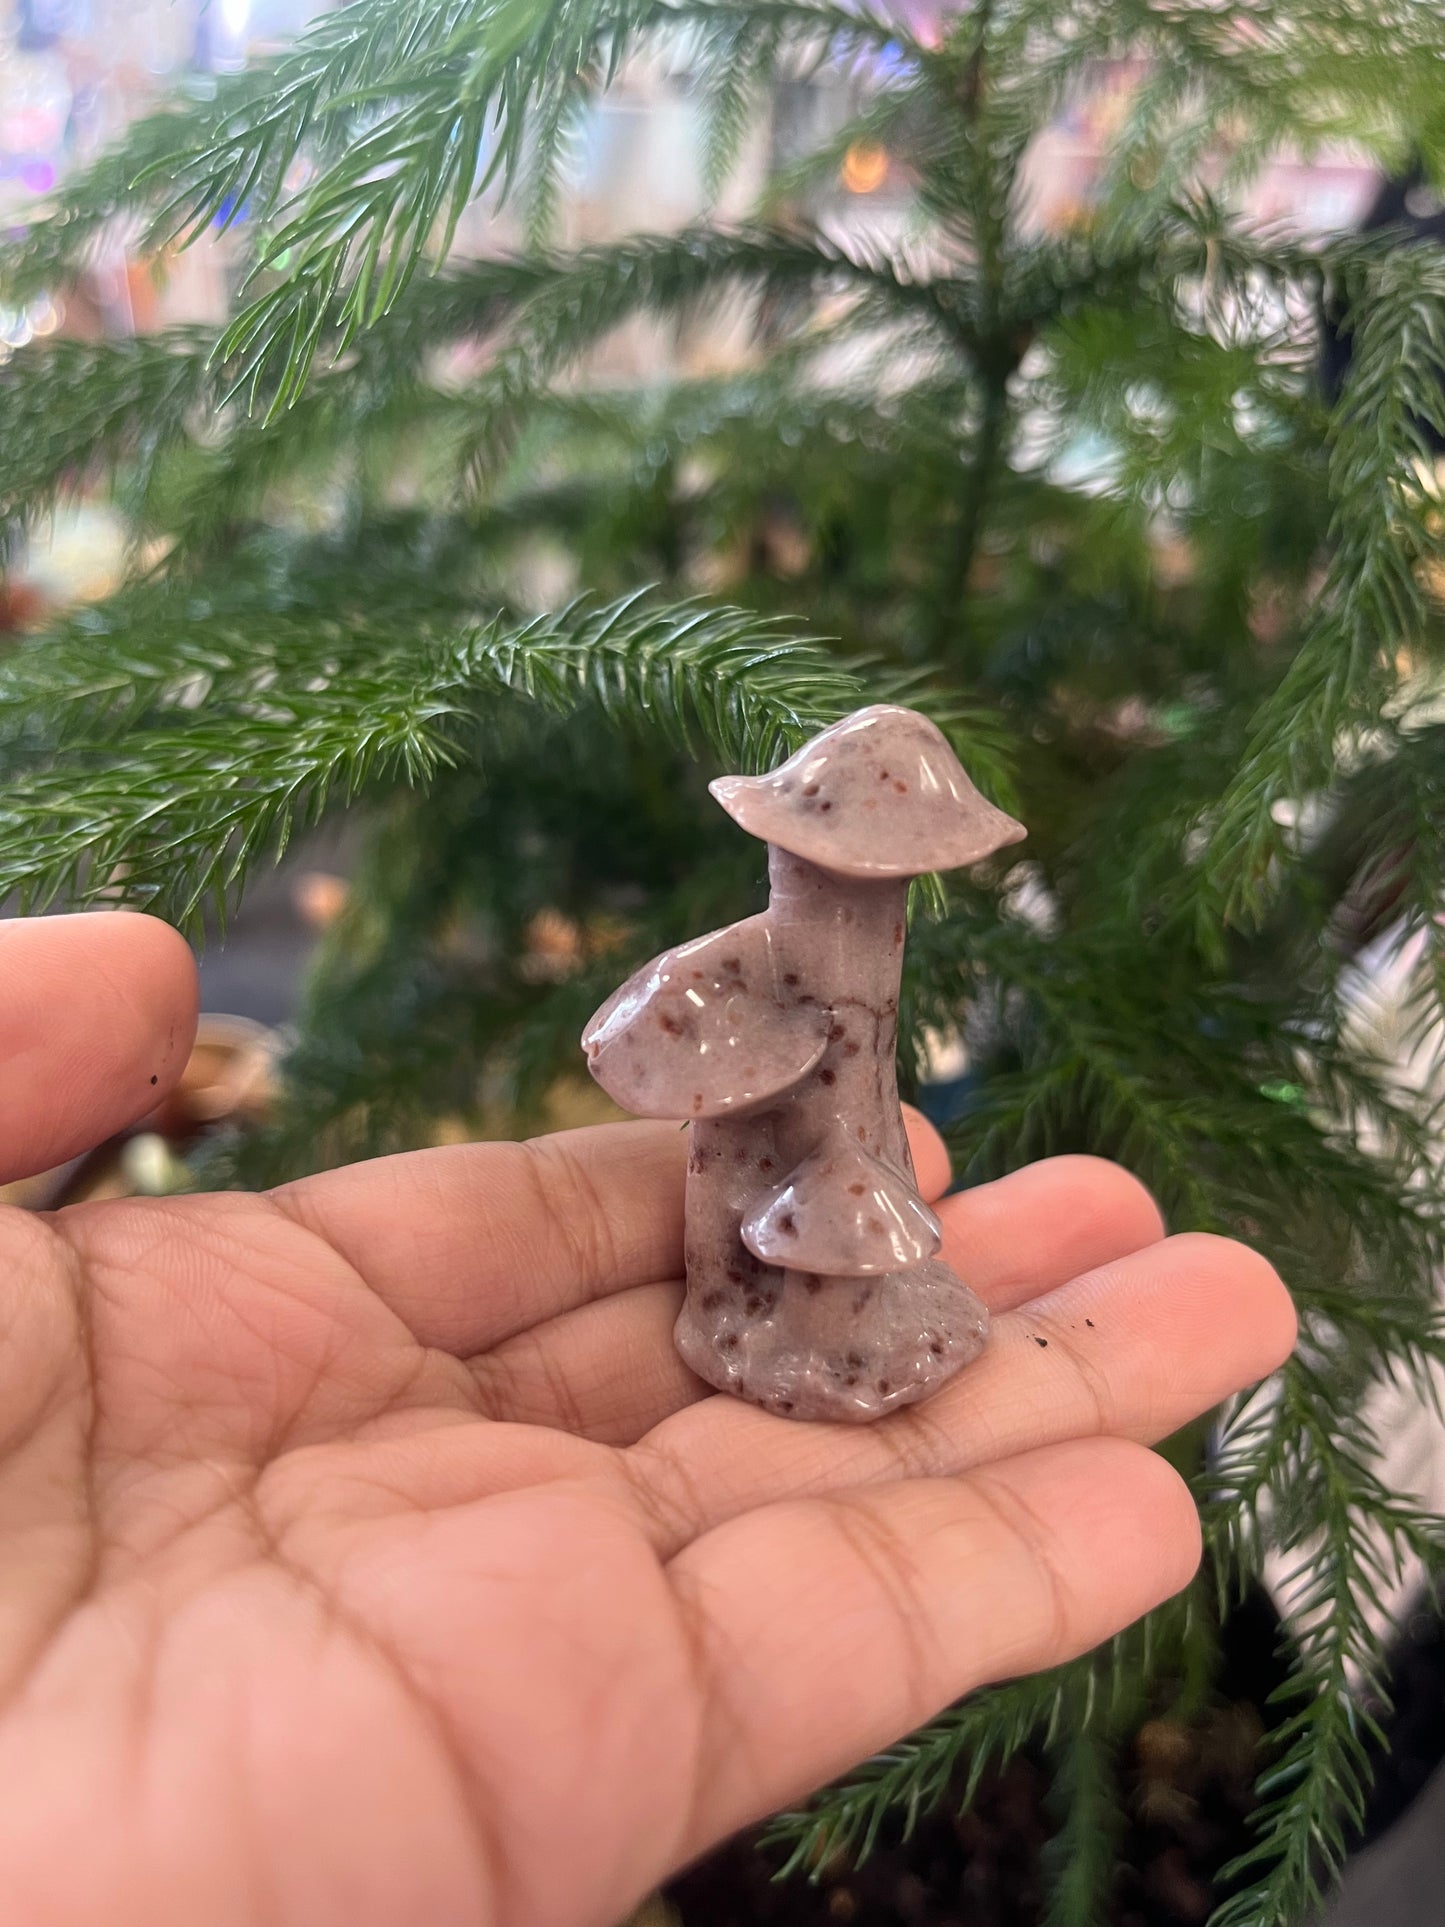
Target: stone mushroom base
813, 1347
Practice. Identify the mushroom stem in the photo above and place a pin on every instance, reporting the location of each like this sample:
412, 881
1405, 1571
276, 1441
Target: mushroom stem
842, 937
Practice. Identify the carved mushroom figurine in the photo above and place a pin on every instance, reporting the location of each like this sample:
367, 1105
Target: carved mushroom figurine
814, 1287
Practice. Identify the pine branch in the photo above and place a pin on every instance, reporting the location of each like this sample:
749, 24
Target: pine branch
845, 1822
1080, 1857
1371, 605
178, 811
1391, 822
147, 393
1328, 1506
410, 111
180, 815
948, 1758
691, 673
69, 408
580, 298
745, 61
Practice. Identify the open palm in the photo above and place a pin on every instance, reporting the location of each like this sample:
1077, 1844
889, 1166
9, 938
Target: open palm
370, 1560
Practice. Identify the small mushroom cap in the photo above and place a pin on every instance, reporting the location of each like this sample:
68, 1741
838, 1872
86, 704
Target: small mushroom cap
880, 794
705, 1030
842, 1214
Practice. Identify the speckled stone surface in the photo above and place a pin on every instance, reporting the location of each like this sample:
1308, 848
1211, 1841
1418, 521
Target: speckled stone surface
813, 1284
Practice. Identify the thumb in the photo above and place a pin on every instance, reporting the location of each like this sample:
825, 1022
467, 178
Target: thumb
97, 1016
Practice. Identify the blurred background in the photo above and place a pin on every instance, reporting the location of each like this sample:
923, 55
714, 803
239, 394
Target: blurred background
76, 72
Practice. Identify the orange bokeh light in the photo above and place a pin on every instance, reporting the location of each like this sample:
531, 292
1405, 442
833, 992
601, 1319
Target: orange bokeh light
865, 167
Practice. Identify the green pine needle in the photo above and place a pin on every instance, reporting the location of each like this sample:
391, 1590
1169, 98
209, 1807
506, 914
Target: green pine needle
176, 811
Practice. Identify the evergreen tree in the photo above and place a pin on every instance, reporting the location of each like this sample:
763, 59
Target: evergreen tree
1230, 770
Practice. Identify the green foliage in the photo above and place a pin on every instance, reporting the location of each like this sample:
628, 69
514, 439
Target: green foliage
81, 406
1080, 495
1382, 530
1351, 1539
909, 1780
190, 760
1083, 1850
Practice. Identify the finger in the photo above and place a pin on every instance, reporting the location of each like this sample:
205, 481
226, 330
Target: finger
1043, 1224
931, 1165
97, 1017
1134, 1351
825, 1629
473, 1243
1024, 1234
606, 1371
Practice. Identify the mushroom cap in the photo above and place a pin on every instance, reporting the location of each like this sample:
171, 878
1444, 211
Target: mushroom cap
880, 794
842, 1214
706, 1030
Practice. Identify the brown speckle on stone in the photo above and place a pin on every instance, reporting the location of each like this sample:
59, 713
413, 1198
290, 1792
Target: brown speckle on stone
729, 1341
790, 976
827, 1077
885, 1385
765, 1164
898, 933
712, 1299
857, 1190
900, 786
812, 1283
810, 789
753, 1304
1042, 1343
825, 806
788, 1225
666, 1021
936, 1349
1090, 1323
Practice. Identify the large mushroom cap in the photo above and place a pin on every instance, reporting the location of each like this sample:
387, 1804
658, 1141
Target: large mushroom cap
705, 1030
880, 794
842, 1214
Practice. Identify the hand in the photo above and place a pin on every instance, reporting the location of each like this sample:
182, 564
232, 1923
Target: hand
370, 1560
